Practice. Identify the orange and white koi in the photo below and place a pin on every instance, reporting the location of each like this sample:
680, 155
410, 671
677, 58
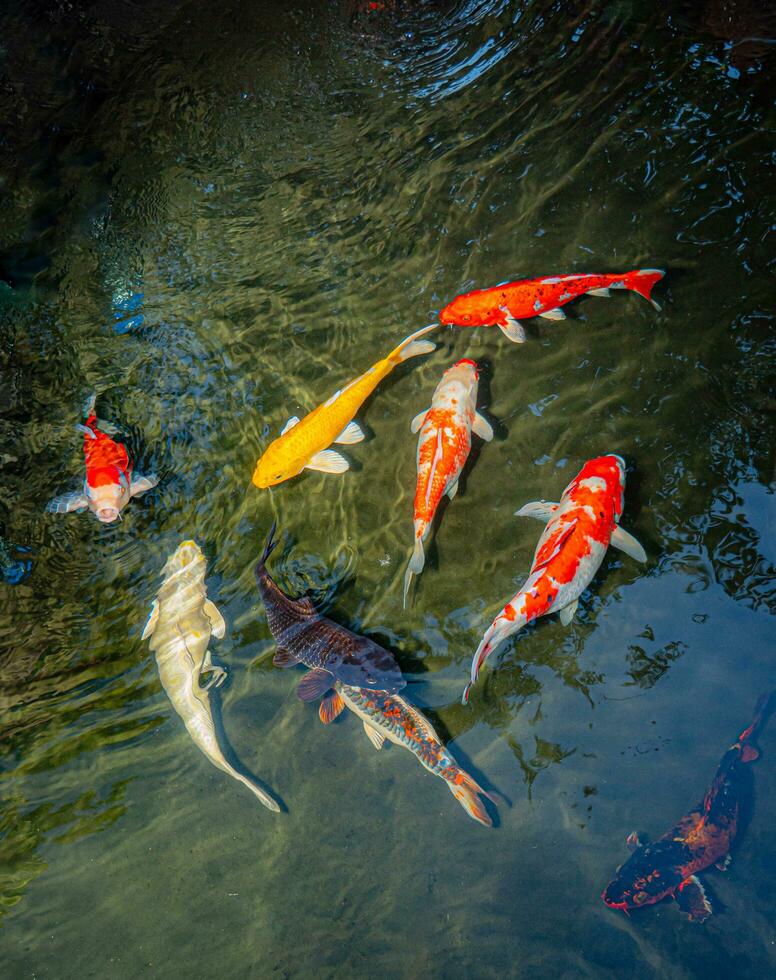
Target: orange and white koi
303, 445
109, 482
579, 530
443, 447
504, 305
392, 717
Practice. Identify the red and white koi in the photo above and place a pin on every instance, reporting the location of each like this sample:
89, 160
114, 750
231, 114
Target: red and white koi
443, 448
109, 482
506, 304
579, 530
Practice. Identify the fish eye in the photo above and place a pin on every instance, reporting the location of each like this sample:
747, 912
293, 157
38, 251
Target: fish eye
640, 897
467, 316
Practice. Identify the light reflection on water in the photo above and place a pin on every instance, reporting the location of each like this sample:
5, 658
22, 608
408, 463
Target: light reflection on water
229, 223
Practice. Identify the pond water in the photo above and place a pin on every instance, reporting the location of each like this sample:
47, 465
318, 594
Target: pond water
213, 216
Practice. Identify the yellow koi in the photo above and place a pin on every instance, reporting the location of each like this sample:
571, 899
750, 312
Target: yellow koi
304, 444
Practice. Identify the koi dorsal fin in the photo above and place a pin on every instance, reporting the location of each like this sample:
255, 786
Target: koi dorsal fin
305, 605
421, 721
568, 531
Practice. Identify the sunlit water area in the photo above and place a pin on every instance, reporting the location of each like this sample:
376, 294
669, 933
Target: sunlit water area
213, 216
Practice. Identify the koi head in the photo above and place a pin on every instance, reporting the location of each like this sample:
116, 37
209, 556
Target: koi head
467, 368
470, 310
366, 665
276, 466
108, 500
643, 880
186, 556
458, 387
604, 474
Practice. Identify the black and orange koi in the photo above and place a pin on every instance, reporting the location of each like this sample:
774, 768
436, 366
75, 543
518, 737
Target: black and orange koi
668, 867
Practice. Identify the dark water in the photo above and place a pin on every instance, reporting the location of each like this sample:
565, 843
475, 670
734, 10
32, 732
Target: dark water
215, 214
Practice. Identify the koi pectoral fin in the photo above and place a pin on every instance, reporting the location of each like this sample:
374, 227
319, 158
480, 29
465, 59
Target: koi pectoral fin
217, 623
511, 328
452, 490
692, 899
66, 502
567, 612
314, 684
602, 291
350, 434
627, 543
153, 618
556, 314
482, 427
376, 738
328, 461
542, 510
140, 484
418, 421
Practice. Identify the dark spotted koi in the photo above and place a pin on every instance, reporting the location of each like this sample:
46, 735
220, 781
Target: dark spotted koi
669, 866
304, 636
392, 717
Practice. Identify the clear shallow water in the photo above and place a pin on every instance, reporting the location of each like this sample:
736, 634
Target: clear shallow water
215, 217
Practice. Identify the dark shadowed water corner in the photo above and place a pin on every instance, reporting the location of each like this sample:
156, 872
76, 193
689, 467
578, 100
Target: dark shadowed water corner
214, 215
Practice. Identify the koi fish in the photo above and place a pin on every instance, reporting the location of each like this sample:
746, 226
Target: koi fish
304, 636
669, 865
504, 305
181, 623
443, 447
391, 716
109, 480
304, 445
570, 551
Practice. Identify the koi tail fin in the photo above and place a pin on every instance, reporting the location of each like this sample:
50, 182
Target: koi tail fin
415, 567
90, 405
412, 346
269, 547
748, 752
468, 792
258, 792
499, 630
642, 281
93, 424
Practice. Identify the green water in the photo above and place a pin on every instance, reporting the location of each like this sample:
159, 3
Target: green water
216, 214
